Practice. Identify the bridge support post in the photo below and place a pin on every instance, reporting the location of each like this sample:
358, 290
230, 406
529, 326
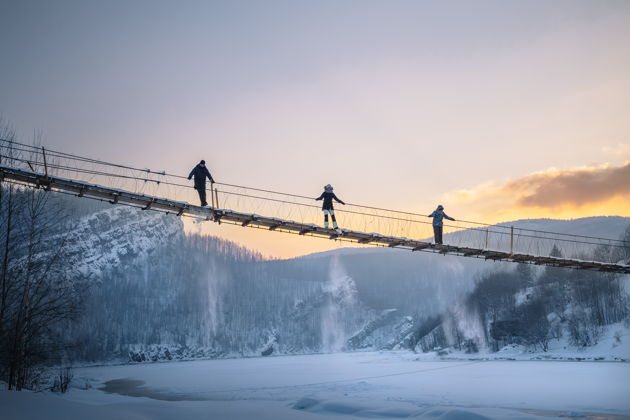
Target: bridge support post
47, 186
45, 164
212, 195
511, 240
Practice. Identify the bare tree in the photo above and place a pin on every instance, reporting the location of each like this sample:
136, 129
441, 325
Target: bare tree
8, 220
37, 295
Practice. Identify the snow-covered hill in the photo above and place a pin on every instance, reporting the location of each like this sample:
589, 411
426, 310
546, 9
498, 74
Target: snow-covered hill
116, 237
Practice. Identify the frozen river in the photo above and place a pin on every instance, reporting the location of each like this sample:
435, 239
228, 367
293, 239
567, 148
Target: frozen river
337, 386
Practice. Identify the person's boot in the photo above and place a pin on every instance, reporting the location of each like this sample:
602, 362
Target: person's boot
337, 229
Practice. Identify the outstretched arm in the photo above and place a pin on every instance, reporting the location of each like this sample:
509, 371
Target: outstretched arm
192, 173
208, 175
320, 197
448, 217
338, 200
431, 215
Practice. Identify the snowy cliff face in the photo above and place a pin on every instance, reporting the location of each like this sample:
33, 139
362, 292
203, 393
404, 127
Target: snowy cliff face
116, 237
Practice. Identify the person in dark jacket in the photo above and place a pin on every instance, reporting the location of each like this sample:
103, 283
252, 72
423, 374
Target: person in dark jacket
200, 172
438, 225
327, 206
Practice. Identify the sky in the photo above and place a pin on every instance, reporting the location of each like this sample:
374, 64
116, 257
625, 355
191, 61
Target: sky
499, 110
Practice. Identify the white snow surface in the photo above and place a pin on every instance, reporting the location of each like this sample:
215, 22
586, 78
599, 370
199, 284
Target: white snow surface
386, 385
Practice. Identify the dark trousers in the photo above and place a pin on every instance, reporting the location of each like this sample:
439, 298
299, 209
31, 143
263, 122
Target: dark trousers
332, 214
202, 195
437, 231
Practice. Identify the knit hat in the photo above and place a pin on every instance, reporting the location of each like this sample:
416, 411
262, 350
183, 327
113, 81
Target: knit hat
328, 187
203, 162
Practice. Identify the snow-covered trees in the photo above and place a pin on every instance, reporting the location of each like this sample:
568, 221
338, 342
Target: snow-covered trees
36, 294
517, 307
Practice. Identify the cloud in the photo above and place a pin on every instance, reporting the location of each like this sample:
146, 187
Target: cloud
576, 192
575, 187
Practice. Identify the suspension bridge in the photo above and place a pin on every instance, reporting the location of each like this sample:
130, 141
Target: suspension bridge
51, 170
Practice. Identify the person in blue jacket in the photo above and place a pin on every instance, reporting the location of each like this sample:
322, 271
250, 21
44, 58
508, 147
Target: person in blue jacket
200, 172
438, 225
327, 206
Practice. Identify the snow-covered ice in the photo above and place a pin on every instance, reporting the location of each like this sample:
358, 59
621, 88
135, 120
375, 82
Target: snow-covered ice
336, 386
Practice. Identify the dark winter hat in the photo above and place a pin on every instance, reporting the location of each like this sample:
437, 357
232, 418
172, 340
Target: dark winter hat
440, 207
203, 162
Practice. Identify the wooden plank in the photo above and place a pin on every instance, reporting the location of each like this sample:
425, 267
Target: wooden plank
494, 255
248, 221
420, 247
471, 252
148, 206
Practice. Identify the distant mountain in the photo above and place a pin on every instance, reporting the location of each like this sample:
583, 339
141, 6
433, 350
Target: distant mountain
611, 227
